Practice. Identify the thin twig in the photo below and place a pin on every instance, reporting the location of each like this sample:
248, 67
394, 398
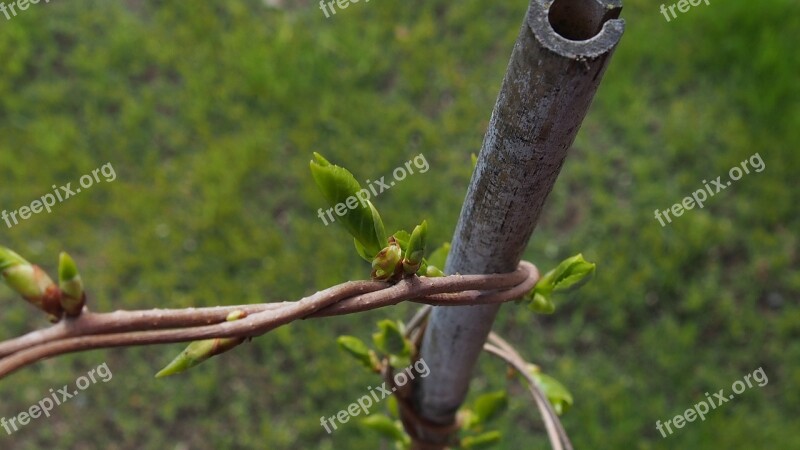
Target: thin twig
130, 328
555, 431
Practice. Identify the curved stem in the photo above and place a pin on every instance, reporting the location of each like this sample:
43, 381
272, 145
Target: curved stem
130, 328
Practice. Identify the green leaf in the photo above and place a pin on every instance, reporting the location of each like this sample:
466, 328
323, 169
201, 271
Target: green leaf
390, 340
362, 252
199, 351
485, 440
385, 426
357, 349
488, 406
363, 221
439, 256
402, 237
416, 248
556, 393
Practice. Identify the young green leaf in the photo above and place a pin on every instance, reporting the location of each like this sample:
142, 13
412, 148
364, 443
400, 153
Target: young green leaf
385, 426
199, 351
570, 274
342, 191
556, 393
390, 339
488, 406
358, 350
402, 237
416, 248
485, 440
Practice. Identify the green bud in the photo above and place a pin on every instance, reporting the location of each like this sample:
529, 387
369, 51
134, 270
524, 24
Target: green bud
570, 274
32, 283
416, 248
9, 258
433, 271
199, 351
387, 264
73, 296
542, 304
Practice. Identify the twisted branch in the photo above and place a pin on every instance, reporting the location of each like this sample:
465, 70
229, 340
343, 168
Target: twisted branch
160, 326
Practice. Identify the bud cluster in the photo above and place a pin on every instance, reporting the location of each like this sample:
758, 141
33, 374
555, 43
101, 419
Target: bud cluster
35, 286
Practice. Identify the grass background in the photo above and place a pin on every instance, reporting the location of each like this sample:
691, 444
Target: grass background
209, 114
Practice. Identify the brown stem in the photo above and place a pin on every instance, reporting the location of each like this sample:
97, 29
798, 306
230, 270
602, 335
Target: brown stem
555, 431
129, 328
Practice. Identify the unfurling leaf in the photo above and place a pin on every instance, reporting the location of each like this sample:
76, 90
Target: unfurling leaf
344, 193
73, 296
415, 250
485, 440
32, 283
488, 406
359, 350
569, 275
391, 341
556, 393
387, 427
200, 351
402, 237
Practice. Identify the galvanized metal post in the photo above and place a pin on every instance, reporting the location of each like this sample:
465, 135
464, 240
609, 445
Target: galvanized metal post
556, 66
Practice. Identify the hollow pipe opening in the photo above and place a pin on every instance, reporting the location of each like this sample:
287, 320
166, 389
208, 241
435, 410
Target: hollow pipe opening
579, 20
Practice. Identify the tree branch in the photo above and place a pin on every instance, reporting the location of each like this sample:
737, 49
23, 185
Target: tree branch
129, 328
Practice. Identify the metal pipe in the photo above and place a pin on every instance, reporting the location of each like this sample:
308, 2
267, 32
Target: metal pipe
558, 60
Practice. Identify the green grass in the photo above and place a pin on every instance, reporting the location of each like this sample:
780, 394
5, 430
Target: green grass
209, 114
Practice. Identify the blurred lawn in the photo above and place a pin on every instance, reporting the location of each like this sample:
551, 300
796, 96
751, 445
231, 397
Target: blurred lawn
209, 114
